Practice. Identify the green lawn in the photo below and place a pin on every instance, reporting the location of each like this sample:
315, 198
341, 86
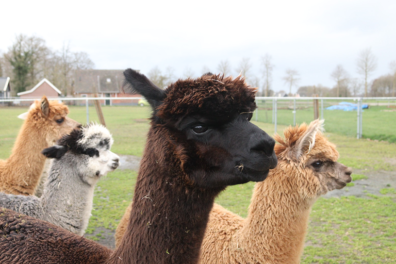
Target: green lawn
378, 122
341, 230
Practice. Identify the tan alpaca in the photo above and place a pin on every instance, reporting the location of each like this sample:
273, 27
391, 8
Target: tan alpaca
275, 228
45, 123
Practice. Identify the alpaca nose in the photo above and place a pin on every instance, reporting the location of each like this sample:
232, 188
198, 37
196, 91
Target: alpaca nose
265, 146
348, 173
115, 163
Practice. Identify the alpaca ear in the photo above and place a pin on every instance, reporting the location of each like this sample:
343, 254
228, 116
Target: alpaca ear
23, 116
56, 152
136, 82
45, 106
307, 141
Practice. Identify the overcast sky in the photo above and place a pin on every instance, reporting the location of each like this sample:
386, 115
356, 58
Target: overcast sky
312, 37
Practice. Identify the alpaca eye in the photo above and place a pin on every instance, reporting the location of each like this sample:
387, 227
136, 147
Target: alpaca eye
60, 121
199, 129
317, 164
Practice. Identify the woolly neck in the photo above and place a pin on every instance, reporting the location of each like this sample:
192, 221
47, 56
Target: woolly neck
168, 218
65, 192
26, 156
277, 219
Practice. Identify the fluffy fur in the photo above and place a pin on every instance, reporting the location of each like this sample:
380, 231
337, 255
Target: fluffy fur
20, 173
187, 161
41, 240
275, 229
276, 225
68, 194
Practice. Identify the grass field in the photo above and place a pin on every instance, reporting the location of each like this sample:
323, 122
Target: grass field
378, 121
341, 230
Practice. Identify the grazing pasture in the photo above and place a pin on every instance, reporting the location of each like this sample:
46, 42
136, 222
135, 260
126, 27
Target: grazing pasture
378, 121
353, 225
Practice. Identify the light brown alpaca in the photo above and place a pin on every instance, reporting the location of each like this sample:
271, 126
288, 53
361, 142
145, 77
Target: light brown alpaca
45, 123
275, 229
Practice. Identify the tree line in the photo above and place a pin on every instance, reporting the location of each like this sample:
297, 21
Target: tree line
344, 84
29, 60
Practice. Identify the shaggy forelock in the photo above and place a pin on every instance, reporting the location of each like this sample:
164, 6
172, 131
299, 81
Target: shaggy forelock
293, 134
213, 96
93, 131
55, 107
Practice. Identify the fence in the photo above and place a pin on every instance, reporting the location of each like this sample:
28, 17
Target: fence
377, 122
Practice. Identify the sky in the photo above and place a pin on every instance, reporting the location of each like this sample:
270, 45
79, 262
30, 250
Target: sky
311, 37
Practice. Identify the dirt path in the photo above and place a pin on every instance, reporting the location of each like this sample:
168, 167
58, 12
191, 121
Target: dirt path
376, 181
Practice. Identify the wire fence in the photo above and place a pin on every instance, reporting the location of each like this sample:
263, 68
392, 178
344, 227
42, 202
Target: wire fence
373, 118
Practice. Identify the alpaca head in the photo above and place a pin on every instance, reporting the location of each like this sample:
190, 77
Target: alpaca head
205, 123
50, 118
308, 161
90, 147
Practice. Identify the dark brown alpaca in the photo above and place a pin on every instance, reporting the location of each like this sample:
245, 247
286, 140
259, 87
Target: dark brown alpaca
199, 142
27, 240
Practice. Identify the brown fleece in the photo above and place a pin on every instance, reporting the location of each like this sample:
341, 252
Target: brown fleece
170, 212
214, 96
276, 225
44, 241
21, 172
275, 228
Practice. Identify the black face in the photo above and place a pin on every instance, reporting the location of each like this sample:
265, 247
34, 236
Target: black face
232, 153
213, 153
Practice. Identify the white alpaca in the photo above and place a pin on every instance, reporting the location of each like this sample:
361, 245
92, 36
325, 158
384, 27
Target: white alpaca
81, 159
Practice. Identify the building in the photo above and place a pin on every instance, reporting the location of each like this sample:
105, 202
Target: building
5, 89
106, 83
44, 87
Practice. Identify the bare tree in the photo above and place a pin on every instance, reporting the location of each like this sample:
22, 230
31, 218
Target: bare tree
63, 65
1, 63
82, 61
6, 66
340, 76
26, 56
382, 86
158, 78
291, 78
244, 68
224, 67
267, 68
255, 82
392, 66
366, 64
30, 60
356, 86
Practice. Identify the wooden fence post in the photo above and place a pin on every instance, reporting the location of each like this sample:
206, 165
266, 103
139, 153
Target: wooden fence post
316, 107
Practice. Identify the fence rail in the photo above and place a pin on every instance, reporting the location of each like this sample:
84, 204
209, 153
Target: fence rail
379, 120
